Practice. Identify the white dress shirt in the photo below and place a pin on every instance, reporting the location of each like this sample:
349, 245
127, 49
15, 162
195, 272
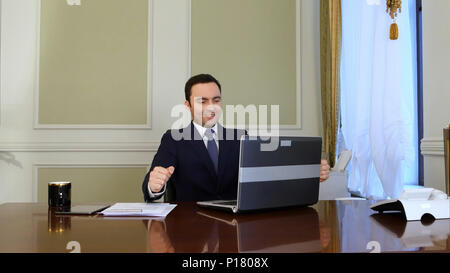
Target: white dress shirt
201, 131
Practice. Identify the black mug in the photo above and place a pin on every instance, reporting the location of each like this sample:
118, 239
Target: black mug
59, 194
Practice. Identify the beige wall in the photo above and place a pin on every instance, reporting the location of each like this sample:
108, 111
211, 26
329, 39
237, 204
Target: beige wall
24, 148
254, 54
436, 58
95, 184
93, 62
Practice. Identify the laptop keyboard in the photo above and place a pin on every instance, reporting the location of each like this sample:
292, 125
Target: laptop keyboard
226, 203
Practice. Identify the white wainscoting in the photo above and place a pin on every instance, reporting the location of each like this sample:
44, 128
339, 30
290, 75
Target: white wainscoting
36, 168
432, 146
434, 163
19, 169
79, 146
22, 147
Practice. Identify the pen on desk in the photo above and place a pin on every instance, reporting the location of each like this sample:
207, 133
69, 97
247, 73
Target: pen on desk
124, 210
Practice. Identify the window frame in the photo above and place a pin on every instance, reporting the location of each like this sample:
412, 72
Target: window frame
419, 89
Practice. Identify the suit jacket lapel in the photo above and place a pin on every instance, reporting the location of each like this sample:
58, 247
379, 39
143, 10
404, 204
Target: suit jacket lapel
223, 146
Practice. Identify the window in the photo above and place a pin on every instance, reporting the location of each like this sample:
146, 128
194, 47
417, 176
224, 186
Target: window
379, 98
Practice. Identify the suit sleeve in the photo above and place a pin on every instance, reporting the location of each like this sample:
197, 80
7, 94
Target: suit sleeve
165, 157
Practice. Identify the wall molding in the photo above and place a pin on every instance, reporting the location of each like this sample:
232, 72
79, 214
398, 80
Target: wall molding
150, 84
189, 38
79, 146
37, 166
298, 30
1, 61
433, 146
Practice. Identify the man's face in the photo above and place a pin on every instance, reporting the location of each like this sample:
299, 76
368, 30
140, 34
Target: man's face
205, 104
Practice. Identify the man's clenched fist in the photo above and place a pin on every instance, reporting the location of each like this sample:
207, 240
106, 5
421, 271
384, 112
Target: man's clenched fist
159, 177
324, 171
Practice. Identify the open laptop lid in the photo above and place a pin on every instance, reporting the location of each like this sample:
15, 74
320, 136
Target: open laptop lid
278, 172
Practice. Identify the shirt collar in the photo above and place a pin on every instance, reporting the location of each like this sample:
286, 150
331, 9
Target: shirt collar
201, 130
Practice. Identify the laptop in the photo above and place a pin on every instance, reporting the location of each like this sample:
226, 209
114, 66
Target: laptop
283, 177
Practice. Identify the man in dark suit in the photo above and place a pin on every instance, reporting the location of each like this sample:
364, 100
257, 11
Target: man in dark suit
200, 161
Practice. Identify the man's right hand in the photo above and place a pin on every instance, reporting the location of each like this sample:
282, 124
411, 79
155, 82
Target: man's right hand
159, 177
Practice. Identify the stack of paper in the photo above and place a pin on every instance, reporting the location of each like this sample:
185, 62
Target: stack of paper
139, 209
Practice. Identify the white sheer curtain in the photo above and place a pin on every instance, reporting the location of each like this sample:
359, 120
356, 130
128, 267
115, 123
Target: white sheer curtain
379, 98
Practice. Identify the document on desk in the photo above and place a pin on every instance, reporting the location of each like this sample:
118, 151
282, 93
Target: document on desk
139, 209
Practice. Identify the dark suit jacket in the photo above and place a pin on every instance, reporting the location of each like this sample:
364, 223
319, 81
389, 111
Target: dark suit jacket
194, 178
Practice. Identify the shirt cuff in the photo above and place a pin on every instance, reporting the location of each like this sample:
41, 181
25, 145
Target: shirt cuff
156, 195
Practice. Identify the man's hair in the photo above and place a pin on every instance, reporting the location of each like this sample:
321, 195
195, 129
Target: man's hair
201, 78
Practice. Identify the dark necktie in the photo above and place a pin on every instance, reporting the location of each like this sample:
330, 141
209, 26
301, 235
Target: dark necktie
212, 148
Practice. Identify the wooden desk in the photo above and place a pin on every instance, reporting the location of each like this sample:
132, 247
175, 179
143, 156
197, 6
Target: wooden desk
329, 226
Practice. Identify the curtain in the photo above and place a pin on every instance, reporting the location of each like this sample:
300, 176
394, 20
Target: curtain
379, 98
330, 54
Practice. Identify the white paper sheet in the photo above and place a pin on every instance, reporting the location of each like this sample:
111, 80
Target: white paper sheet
139, 209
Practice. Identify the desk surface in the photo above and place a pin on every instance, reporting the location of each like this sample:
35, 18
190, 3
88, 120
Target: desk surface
329, 226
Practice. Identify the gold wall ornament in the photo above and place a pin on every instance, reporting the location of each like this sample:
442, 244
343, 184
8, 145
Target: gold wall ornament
393, 7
